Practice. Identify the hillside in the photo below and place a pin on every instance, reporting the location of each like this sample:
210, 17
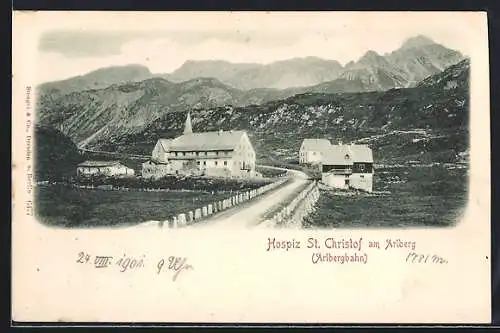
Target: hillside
127, 108
56, 155
451, 78
425, 123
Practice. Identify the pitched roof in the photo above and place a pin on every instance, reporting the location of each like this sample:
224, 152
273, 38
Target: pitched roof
205, 141
165, 144
98, 163
347, 154
315, 144
362, 153
337, 155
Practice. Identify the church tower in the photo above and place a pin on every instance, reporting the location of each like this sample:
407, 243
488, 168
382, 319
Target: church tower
188, 129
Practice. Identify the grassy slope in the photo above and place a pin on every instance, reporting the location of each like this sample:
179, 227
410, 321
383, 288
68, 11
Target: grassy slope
422, 197
56, 156
72, 207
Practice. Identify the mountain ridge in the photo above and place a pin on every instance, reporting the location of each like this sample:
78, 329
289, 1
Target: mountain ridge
96, 79
417, 58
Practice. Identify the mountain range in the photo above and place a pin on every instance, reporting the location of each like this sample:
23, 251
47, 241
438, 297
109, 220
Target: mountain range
428, 122
298, 72
417, 58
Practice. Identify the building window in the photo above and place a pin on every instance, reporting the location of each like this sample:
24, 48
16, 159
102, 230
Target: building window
347, 156
215, 163
204, 162
362, 167
198, 162
225, 162
314, 153
197, 153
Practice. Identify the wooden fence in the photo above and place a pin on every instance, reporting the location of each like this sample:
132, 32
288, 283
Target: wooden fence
197, 214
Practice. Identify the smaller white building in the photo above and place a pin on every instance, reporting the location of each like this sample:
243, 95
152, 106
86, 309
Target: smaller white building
159, 165
161, 150
348, 166
155, 169
312, 150
104, 168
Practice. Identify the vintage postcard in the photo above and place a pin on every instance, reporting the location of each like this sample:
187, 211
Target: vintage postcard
251, 167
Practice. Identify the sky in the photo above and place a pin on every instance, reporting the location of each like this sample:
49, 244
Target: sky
164, 43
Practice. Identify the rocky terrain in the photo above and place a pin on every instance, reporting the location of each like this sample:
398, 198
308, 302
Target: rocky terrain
127, 108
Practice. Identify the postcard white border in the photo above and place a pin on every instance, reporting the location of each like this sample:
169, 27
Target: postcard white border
234, 278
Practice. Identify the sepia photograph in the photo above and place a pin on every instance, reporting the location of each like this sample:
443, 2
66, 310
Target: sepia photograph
246, 167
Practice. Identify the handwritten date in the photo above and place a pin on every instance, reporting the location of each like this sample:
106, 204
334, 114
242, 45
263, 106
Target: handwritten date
124, 263
173, 264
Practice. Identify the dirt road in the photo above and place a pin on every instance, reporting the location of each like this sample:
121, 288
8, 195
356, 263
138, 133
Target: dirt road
253, 212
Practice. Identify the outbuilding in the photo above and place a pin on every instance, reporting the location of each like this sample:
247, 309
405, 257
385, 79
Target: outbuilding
348, 166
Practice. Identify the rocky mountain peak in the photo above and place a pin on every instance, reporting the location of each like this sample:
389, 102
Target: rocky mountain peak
372, 58
417, 42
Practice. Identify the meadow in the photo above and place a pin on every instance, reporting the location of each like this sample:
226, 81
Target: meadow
66, 206
190, 183
403, 197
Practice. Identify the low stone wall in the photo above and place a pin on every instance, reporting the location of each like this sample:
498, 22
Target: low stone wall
294, 213
193, 216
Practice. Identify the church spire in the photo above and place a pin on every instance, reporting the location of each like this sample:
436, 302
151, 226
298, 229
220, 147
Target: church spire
188, 129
